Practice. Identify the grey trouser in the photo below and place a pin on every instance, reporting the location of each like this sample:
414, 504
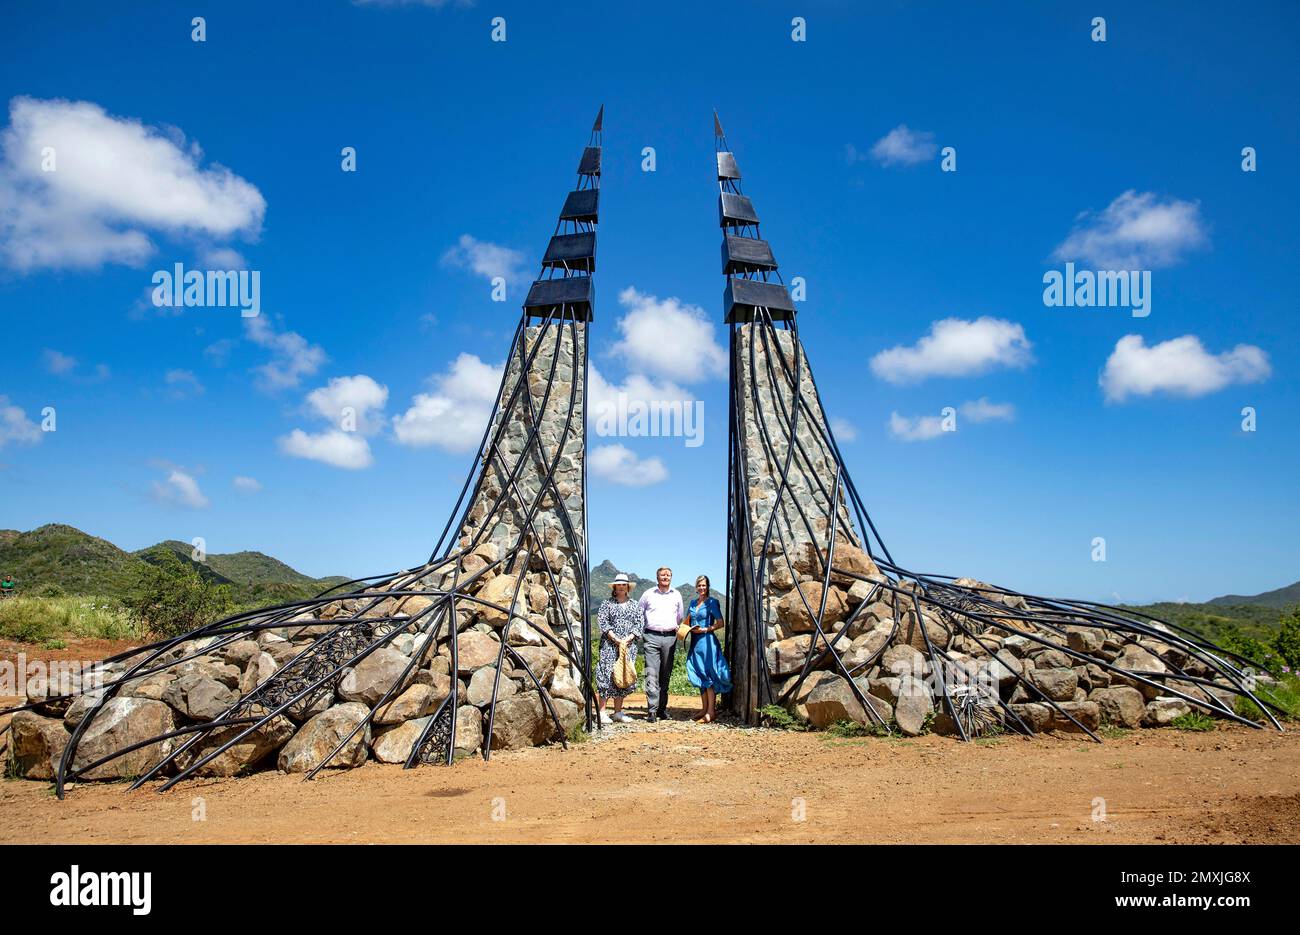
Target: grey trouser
660, 648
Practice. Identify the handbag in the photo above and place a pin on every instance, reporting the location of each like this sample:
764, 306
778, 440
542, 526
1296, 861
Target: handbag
624, 675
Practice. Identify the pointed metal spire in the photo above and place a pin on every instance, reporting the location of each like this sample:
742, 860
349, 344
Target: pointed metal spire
564, 288
754, 286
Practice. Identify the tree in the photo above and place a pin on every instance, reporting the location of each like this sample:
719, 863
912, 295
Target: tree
172, 598
1287, 642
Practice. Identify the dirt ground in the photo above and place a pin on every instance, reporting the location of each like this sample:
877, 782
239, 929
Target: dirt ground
682, 782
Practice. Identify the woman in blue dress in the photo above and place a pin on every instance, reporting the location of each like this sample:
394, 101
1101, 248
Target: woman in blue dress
706, 667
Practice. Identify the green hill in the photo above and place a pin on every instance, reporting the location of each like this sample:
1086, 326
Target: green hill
65, 557
1280, 599
81, 564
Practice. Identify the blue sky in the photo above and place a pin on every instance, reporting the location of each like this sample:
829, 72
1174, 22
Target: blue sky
1124, 153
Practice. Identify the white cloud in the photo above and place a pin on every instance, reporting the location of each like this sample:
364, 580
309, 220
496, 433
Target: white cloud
58, 363
292, 356
454, 415
668, 338
218, 352
619, 465
180, 489
603, 396
360, 393
114, 180
1179, 367
183, 383
486, 259
15, 426
956, 348
981, 410
1136, 231
246, 484
902, 146
64, 365
919, 429
843, 429
222, 258
333, 446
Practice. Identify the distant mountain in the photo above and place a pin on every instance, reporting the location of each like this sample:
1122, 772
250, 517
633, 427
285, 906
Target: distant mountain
1280, 599
64, 556
75, 562
603, 574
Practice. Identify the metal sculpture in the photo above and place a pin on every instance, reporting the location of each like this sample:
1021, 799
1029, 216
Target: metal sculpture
794, 513
522, 509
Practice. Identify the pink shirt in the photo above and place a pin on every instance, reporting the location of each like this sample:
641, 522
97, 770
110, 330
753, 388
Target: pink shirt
663, 609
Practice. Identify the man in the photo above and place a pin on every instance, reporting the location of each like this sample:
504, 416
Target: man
663, 611
8, 586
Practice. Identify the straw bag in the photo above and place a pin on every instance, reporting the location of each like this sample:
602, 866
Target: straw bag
624, 675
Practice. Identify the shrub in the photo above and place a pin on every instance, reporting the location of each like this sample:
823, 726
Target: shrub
1193, 720
779, 718
32, 620
171, 598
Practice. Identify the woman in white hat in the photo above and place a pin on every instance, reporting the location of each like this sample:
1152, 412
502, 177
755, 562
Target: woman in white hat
622, 623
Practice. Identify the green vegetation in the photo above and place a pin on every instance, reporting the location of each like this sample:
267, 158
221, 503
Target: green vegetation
1285, 695
172, 597
58, 560
1193, 720
45, 620
779, 718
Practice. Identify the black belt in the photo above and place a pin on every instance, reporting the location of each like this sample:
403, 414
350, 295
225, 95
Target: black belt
661, 632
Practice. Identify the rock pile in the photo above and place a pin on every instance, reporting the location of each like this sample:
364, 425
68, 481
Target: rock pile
515, 634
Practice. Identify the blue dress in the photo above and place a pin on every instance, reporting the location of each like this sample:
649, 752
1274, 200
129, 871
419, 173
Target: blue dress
706, 667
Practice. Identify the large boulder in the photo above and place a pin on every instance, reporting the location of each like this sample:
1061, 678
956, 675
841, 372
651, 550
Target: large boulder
199, 697
500, 590
244, 755
258, 671
415, 702
848, 561
1037, 716
316, 739
799, 616
915, 629
785, 657
1135, 659
833, 700
474, 650
520, 721
913, 705
393, 744
902, 659
1057, 684
121, 723
1162, 711
798, 702
1086, 713
1121, 705
481, 685
37, 744
369, 679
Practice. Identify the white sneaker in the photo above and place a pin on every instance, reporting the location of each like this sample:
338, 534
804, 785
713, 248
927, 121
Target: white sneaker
605, 718
621, 717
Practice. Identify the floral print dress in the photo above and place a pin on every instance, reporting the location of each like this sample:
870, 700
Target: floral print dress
623, 620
